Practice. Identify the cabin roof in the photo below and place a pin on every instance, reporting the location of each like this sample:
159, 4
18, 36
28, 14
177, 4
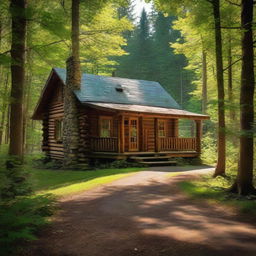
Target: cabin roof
119, 94
95, 88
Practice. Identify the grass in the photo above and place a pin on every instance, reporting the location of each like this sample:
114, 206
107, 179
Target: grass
63, 183
214, 190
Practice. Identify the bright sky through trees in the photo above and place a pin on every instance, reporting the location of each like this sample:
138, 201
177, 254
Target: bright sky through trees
139, 5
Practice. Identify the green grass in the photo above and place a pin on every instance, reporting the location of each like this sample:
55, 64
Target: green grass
214, 190
63, 183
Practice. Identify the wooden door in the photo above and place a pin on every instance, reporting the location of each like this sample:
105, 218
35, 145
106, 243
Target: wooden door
133, 134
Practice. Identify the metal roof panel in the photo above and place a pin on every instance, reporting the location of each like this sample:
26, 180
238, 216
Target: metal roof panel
95, 88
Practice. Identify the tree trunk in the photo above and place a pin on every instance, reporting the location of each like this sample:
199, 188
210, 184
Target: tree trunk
17, 9
4, 106
230, 82
221, 161
244, 182
204, 83
7, 127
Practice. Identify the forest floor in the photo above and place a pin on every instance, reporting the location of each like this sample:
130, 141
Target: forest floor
146, 214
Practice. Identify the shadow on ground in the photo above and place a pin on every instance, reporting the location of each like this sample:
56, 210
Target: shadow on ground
150, 219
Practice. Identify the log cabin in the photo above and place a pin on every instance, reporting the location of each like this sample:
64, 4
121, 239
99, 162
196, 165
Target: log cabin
118, 118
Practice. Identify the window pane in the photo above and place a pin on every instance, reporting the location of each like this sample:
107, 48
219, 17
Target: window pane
187, 128
105, 128
58, 130
161, 129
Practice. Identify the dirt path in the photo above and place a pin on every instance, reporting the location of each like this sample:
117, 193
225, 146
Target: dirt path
145, 214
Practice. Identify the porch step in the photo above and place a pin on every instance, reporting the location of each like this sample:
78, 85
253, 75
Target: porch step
141, 158
158, 163
154, 160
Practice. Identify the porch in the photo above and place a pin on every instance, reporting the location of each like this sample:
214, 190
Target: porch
112, 144
137, 135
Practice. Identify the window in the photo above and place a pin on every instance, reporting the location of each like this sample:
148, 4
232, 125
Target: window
105, 127
187, 128
161, 128
58, 130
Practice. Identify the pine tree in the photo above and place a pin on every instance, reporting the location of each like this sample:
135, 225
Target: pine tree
168, 66
138, 64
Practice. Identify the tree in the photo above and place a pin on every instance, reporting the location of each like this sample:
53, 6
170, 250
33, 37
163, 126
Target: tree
221, 161
17, 10
73, 82
244, 182
168, 66
204, 82
138, 63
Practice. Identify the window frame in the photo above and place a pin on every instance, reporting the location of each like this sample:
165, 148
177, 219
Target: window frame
58, 125
108, 118
164, 130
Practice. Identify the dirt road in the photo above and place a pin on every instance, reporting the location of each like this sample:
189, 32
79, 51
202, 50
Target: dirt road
145, 214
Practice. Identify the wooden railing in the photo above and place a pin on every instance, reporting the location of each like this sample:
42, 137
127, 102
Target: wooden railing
179, 144
108, 144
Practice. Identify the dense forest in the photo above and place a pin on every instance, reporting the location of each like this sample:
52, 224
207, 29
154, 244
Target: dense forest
201, 51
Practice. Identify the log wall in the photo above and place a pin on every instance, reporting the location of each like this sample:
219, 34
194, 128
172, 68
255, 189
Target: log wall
51, 147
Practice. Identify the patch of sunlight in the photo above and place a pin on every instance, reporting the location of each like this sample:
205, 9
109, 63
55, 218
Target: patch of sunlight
173, 174
83, 186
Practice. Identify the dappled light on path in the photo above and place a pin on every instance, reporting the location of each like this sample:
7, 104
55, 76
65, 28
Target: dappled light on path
145, 214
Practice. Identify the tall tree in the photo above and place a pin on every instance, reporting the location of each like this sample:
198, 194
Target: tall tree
221, 160
73, 82
17, 10
204, 82
244, 181
168, 66
138, 63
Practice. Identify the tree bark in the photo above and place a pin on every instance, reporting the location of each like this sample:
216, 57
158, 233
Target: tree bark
17, 10
204, 83
230, 82
244, 182
4, 106
221, 161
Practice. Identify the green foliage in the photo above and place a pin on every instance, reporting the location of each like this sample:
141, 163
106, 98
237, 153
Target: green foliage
21, 218
151, 58
216, 189
20, 213
115, 164
13, 179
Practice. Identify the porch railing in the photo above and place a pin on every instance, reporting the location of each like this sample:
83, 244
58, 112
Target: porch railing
179, 144
102, 144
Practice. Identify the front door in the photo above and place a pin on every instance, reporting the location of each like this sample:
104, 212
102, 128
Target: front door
133, 134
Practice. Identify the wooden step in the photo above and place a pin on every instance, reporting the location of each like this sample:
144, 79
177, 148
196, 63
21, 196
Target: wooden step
149, 157
162, 163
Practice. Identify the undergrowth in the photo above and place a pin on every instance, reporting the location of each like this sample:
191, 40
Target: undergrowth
216, 189
21, 213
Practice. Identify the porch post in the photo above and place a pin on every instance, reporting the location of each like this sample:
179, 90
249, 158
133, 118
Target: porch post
198, 135
121, 135
156, 135
176, 128
141, 134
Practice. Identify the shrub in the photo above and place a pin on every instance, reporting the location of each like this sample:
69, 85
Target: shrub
117, 164
21, 214
20, 219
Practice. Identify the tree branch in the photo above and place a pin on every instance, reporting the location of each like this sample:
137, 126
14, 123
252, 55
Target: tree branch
230, 2
231, 27
231, 64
